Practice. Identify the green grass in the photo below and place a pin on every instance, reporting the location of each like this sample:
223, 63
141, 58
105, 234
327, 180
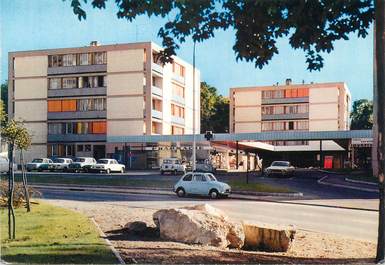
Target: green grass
257, 187
99, 180
50, 234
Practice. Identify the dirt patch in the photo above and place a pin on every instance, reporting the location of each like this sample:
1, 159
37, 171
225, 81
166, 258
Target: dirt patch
308, 247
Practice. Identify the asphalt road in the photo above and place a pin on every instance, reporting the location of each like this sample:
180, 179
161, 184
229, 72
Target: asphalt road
357, 224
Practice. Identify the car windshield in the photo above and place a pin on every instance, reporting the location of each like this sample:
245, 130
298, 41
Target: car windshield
211, 177
37, 160
58, 160
102, 161
79, 160
167, 161
280, 164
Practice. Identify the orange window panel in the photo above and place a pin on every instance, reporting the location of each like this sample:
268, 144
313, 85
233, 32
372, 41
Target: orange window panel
306, 92
69, 105
288, 93
54, 106
99, 127
301, 92
294, 93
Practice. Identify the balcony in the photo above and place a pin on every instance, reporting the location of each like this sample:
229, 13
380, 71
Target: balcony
156, 114
74, 115
87, 91
284, 100
157, 68
76, 138
293, 116
77, 69
178, 78
178, 120
178, 99
157, 91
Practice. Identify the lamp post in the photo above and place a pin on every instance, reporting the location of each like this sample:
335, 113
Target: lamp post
194, 139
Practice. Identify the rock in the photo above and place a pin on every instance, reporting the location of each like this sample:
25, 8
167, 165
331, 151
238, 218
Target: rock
201, 224
136, 227
268, 237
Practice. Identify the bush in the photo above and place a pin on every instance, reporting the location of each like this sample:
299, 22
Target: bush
18, 194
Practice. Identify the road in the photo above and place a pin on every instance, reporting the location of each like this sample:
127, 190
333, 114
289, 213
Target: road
357, 224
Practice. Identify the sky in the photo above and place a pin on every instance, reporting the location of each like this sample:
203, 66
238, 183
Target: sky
45, 24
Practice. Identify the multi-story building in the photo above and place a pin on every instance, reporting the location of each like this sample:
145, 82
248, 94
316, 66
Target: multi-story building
72, 99
291, 107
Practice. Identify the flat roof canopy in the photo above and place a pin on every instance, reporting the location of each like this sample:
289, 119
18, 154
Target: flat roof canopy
261, 136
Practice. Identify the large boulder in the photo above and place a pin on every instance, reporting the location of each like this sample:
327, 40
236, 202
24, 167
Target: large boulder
268, 237
200, 224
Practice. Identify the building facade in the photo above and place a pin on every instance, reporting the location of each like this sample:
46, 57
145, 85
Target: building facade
292, 107
72, 99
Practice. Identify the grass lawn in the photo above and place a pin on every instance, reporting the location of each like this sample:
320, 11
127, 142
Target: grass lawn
50, 234
257, 187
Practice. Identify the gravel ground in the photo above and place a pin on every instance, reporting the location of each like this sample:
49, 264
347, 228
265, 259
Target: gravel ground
309, 247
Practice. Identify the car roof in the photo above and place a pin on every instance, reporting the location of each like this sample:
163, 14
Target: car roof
282, 161
106, 159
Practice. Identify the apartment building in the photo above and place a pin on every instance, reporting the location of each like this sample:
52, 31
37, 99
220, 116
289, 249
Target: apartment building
72, 99
291, 107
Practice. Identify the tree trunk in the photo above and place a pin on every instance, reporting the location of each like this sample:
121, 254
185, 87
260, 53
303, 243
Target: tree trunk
380, 119
11, 181
25, 184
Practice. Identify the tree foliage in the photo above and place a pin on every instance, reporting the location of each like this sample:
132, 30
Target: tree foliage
16, 134
362, 115
214, 110
4, 96
311, 26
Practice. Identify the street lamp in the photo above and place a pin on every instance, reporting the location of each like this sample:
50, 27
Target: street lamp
194, 139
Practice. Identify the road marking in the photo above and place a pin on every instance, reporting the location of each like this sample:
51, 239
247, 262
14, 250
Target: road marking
321, 181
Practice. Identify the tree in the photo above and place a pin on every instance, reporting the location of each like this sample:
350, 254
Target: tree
312, 26
362, 115
214, 110
4, 96
17, 136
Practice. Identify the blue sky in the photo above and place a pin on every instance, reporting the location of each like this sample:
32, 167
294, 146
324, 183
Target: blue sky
40, 24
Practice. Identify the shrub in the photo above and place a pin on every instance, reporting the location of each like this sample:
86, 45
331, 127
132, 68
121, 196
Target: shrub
18, 194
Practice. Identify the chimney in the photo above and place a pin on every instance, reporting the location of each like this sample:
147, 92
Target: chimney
94, 43
288, 81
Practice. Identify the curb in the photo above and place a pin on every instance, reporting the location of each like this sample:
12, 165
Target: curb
360, 182
102, 234
322, 182
155, 191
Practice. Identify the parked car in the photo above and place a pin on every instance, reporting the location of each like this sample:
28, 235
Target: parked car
40, 164
61, 164
200, 183
172, 165
205, 166
282, 168
108, 165
4, 164
82, 164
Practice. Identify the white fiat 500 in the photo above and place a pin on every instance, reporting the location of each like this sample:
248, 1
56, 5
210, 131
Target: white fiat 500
108, 165
199, 183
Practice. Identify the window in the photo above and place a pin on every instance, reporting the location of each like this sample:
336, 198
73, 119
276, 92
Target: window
199, 177
267, 94
177, 111
99, 104
177, 90
69, 105
79, 148
291, 125
69, 60
178, 69
100, 58
87, 148
302, 125
278, 94
188, 177
55, 60
278, 126
54, 105
84, 59
175, 130
99, 127
54, 83
55, 128
70, 82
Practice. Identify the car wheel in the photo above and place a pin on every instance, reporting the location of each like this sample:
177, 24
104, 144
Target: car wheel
39, 169
85, 170
180, 192
28, 170
108, 171
122, 170
214, 194
162, 172
175, 171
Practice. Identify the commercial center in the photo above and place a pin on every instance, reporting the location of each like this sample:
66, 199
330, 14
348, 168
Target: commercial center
121, 101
